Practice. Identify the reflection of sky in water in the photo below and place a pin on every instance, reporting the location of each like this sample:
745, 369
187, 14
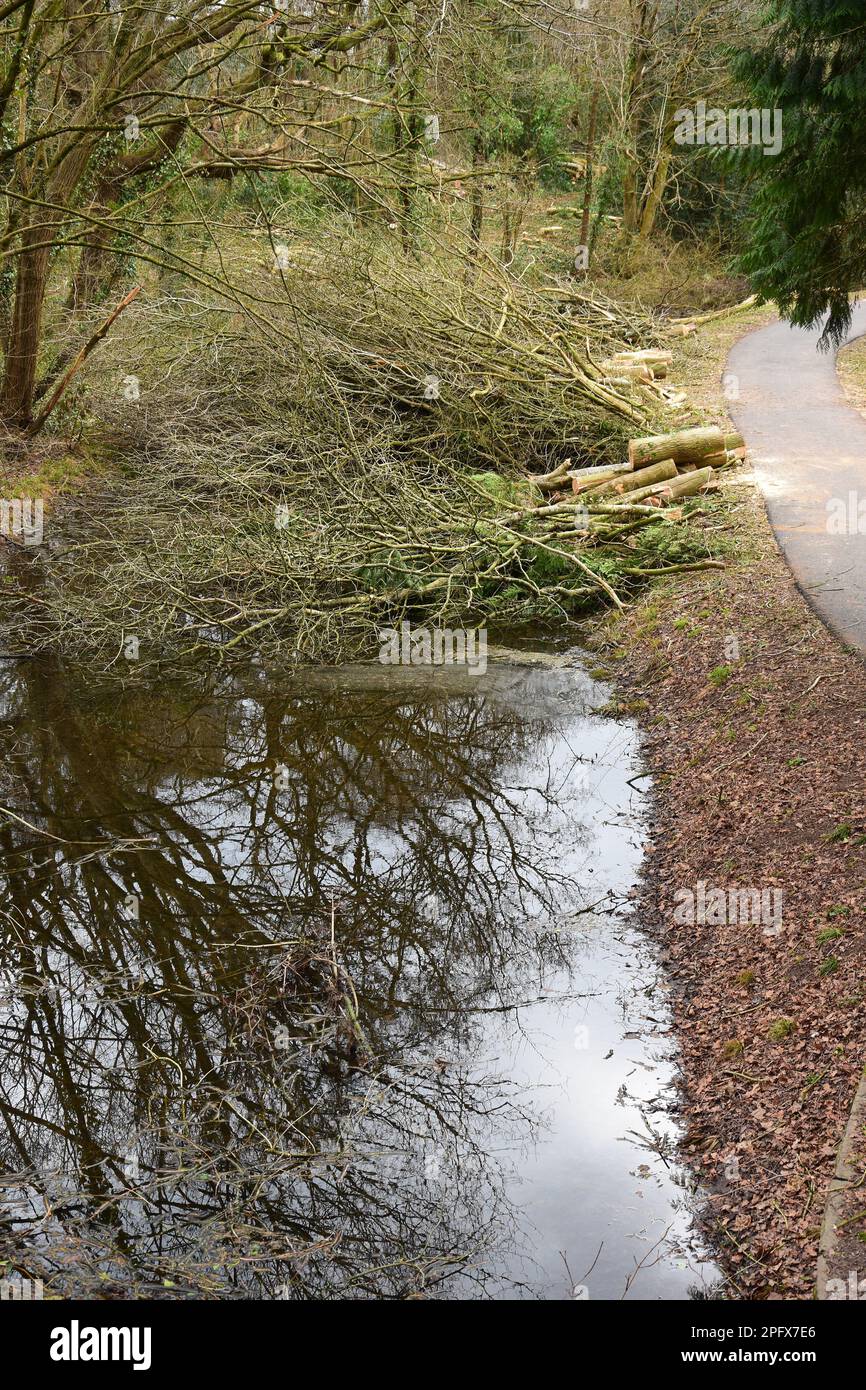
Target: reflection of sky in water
467, 842
588, 1189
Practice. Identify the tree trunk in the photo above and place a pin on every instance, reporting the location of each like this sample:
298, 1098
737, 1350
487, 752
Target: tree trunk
661, 174
642, 27
31, 284
94, 273
587, 178
476, 220
25, 332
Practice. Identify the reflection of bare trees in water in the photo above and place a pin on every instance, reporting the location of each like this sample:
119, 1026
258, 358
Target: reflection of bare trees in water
238, 1004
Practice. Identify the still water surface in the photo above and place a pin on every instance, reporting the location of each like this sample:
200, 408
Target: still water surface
326, 986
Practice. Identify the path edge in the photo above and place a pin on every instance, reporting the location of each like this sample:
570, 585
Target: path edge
844, 1172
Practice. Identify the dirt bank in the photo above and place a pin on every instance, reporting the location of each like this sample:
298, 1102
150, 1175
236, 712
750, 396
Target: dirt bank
754, 720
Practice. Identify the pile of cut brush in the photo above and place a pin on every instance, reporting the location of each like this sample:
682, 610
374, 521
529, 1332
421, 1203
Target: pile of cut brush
348, 459
449, 548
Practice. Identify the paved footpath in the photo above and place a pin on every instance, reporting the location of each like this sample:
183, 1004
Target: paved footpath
808, 446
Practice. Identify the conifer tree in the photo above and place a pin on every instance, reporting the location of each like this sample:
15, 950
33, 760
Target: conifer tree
807, 241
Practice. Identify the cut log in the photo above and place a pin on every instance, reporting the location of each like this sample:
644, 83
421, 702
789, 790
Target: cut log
708, 461
657, 365
682, 330
689, 483
653, 493
654, 357
659, 494
599, 477
625, 385
629, 371
596, 470
549, 482
683, 446
644, 477
720, 313
734, 441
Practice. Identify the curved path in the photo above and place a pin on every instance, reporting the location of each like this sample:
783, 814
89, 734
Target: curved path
808, 447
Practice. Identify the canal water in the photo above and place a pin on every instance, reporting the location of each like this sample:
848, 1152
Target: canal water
329, 986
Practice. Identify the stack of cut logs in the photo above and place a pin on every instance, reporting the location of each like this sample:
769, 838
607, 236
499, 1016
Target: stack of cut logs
661, 468
644, 367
